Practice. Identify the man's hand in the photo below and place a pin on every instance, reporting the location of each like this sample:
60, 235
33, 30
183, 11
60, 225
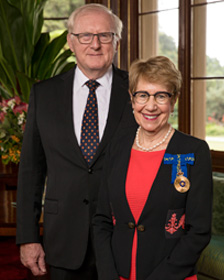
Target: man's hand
32, 257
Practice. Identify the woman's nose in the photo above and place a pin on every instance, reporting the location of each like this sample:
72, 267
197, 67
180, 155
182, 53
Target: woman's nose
151, 103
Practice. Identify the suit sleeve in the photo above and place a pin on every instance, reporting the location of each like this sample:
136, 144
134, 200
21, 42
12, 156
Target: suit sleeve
181, 262
31, 180
103, 229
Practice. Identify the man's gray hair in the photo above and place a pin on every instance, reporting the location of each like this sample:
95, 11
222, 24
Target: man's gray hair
118, 25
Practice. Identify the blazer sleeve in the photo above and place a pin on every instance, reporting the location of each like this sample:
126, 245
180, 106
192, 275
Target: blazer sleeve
31, 179
182, 260
103, 229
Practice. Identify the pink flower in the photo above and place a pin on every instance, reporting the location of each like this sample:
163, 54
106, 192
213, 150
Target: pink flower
18, 100
4, 103
20, 108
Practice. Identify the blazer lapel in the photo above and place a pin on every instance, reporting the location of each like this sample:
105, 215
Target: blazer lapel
159, 187
121, 169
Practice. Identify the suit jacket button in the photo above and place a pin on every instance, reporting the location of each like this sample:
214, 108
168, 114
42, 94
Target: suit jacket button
131, 225
86, 201
90, 170
141, 228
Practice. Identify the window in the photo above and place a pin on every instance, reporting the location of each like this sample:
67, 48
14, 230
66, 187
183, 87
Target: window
190, 33
208, 73
56, 13
162, 37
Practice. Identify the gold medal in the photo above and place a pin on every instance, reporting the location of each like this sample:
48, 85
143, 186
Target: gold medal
181, 183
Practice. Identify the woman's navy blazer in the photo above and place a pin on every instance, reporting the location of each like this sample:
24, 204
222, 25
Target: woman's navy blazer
165, 252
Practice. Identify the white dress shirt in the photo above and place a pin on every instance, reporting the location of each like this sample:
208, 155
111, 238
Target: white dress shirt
80, 94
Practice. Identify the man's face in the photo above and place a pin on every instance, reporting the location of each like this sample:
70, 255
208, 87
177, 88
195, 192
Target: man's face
95, 58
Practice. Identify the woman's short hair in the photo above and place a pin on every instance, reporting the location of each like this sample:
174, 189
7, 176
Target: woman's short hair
158, 69
118, 25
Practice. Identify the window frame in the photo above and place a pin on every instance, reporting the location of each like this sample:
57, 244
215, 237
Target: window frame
129, 47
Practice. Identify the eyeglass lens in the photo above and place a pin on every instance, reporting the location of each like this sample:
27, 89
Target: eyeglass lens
160, 97
86, 38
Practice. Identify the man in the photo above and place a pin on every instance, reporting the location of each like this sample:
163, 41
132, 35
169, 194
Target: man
57, 151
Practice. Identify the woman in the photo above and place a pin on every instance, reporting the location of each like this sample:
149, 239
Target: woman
154, 209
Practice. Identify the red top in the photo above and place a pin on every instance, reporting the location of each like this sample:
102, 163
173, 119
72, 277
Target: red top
142, 170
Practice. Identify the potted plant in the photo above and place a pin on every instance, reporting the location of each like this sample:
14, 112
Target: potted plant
26, 56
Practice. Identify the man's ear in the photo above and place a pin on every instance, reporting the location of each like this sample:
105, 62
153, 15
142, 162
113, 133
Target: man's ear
117, 45
69, 41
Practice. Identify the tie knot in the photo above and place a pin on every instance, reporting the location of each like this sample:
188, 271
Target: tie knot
92, 84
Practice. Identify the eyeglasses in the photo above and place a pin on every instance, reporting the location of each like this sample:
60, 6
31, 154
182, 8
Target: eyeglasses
87, 38
161, 97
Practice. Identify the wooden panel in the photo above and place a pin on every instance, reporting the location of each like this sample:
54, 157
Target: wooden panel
8, 213
184, 106
217, 161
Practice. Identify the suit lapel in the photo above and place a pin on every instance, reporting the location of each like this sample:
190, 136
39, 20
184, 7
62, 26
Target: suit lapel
118, 100
67, 113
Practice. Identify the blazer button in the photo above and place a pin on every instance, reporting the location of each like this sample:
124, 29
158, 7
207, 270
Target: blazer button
86, 201
141, 228
131, 225
90, 171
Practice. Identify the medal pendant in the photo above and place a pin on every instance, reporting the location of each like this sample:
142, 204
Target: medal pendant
181, 183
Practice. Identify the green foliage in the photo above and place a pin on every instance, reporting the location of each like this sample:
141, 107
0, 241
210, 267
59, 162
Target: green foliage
26, 54
213, 67
214, 98
215, 103
59, 9
214, 130
167, 47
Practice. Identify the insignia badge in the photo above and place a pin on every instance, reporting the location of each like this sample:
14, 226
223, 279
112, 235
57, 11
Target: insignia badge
179, 170
173, 224
181, 183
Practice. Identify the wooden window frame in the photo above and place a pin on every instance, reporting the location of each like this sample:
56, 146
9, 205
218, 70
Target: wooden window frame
127, 10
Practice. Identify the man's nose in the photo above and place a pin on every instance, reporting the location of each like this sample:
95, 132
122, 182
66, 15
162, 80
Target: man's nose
95, 42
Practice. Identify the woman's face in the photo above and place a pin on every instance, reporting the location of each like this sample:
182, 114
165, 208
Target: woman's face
151, 116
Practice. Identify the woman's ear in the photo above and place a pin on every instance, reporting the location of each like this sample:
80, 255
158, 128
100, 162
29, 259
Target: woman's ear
131, 96
173, 102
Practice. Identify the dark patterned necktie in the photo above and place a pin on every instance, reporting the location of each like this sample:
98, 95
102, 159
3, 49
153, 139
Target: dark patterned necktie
90, 129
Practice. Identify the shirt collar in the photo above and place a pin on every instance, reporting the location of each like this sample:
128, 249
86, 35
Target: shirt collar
104, 81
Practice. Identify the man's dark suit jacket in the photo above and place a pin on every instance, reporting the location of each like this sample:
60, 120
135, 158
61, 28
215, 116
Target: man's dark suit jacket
50, 150
162, 254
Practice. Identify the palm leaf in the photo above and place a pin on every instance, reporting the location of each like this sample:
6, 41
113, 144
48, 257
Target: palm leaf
50, 53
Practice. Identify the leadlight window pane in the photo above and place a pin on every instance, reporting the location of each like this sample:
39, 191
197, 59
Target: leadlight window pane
171, 4
215, 40
215, 114
168, 34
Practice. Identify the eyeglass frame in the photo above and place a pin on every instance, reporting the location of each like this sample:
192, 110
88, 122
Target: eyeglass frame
94, 34
154, 95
